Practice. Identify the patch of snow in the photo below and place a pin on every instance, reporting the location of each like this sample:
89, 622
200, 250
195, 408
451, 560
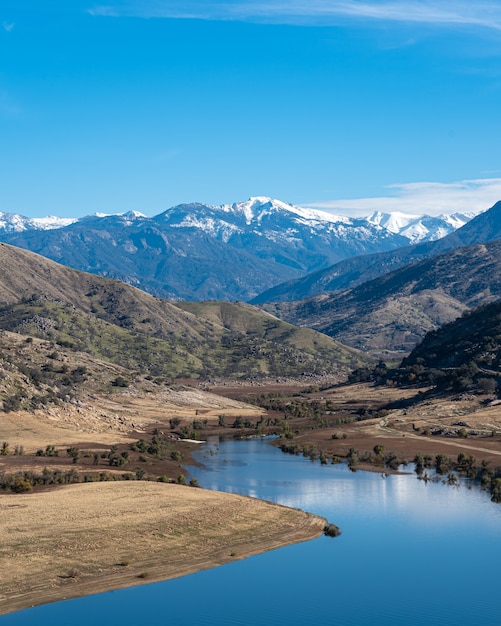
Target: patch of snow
418, 228
12, 222
257, 206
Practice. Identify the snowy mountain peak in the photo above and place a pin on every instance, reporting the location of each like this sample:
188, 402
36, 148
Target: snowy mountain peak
393, 222
12, 222
417, 228
256, 207
133, 215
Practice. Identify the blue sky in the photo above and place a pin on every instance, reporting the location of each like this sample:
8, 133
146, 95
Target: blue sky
347, 105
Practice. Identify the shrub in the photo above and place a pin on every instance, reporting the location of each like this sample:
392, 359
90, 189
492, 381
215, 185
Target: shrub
331, 530
21, 485
120, 381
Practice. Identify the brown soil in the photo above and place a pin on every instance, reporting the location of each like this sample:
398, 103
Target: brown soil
429, 426
112, 419
84, 539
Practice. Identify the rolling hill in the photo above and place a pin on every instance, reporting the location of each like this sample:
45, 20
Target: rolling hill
391, 314
119, 324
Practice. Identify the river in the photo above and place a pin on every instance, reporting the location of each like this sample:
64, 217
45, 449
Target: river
410, 553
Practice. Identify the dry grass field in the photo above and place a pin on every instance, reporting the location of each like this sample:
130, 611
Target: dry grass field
88, 538
73, 540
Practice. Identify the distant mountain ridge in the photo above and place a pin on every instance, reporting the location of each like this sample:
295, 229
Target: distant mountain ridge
12, 222
415, 228
199, 252
350, 273
420, 228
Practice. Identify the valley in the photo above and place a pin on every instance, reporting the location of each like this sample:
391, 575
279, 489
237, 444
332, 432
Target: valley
106, 392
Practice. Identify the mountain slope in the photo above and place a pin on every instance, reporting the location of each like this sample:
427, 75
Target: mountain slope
464, 355
475, 337
120, 324
393, 312
198, 252
354, 271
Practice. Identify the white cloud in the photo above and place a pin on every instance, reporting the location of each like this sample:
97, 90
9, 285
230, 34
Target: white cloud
8, 26
442, 12
423, 198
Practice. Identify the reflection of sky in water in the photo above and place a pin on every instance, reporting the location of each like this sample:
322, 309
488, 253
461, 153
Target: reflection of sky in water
257, 469
410, 554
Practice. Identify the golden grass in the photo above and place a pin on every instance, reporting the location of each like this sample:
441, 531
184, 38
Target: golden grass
84, 539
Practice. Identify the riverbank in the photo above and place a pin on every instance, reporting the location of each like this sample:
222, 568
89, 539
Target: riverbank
89, 538
402, 422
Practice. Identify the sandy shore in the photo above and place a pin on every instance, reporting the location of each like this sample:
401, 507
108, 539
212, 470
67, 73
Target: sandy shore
88, 538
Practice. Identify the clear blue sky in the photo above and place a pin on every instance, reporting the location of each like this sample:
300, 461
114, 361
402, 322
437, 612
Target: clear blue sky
144, 104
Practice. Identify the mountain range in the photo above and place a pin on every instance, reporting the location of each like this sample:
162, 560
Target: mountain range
233, 252
382, 303
357, 270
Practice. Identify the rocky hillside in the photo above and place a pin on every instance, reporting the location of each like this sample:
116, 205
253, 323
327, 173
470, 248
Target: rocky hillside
391, 314
463, 356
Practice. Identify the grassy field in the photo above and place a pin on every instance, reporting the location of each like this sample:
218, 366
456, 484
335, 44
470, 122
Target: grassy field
96, 537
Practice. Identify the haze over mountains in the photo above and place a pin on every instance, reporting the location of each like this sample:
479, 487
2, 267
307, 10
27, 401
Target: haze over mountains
200, 252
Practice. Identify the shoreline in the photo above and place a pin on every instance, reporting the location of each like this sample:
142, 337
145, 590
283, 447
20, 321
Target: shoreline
97, 537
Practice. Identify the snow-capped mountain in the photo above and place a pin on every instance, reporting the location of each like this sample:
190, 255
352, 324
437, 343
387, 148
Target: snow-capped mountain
231, 218
417, 228
272, 220
199, 251
12, 222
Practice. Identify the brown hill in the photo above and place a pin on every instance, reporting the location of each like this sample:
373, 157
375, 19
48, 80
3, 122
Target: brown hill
120, 324
391, 314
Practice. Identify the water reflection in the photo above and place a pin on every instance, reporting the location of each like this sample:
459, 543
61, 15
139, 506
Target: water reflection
410, 554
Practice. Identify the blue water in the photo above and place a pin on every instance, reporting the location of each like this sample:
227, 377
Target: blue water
410, 553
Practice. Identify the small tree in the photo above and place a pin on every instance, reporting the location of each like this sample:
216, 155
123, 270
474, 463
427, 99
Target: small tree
120, 381
487, 386
74, 453
174, 422
21, 485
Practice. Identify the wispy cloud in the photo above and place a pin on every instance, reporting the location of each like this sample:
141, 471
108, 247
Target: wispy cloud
423, 198
437, 12
8, 26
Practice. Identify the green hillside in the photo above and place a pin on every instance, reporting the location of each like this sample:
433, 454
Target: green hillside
120, 324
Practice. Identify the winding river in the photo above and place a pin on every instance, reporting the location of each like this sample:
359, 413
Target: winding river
410, 554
